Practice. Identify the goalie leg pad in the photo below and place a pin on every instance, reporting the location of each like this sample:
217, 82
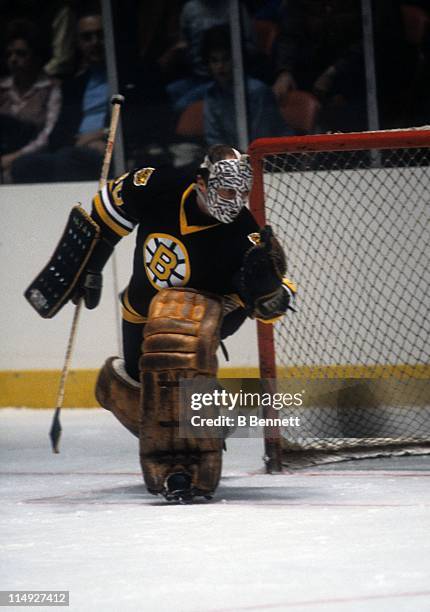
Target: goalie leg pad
180, 341
119, 393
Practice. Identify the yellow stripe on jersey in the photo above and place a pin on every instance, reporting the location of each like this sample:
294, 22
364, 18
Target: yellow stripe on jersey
106, 218
269, 321
290, 284
183, 223
129, 313
131, 318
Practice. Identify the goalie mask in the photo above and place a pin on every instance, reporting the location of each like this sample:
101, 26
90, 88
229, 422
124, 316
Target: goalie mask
234, 175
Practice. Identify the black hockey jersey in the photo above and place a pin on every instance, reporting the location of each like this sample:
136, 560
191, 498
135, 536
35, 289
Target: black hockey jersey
176, 244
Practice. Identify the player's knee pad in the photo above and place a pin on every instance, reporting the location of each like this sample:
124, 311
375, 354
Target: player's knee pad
180, 341
119, 393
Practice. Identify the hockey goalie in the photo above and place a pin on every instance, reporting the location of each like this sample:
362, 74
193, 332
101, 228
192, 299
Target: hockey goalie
201, 267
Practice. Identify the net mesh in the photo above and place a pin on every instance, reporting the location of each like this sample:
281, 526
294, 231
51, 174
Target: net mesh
355, 228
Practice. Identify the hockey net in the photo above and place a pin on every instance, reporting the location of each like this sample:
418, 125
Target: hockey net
352, 213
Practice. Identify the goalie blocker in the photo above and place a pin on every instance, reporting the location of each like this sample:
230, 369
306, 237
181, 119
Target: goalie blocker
74, 269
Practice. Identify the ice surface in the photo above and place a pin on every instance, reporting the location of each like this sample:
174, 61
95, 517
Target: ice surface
353, 539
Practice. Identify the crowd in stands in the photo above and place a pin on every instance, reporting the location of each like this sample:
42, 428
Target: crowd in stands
304, 72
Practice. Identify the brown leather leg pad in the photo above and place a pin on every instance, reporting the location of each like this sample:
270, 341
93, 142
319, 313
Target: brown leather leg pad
181, 338
118, 395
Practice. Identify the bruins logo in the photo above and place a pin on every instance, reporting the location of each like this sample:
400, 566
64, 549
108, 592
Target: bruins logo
166, 261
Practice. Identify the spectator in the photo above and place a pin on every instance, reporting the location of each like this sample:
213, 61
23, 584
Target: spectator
63, 40
78, 139
219, 105
319, 49
314, 34
264, 9
398, 67
55, 20
144, 29
197, 17
29, 100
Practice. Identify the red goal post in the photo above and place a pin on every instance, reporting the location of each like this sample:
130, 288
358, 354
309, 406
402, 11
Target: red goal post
352, 213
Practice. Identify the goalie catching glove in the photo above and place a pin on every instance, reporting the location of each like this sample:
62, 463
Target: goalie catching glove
266, 293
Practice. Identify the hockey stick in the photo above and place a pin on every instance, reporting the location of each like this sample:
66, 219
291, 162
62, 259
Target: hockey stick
55, 431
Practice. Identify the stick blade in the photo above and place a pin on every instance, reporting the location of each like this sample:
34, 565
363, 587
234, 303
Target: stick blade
55, 431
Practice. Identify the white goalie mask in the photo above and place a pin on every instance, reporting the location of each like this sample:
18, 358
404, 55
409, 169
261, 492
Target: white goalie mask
232, 174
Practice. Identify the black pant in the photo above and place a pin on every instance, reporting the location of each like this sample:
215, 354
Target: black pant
132, 338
